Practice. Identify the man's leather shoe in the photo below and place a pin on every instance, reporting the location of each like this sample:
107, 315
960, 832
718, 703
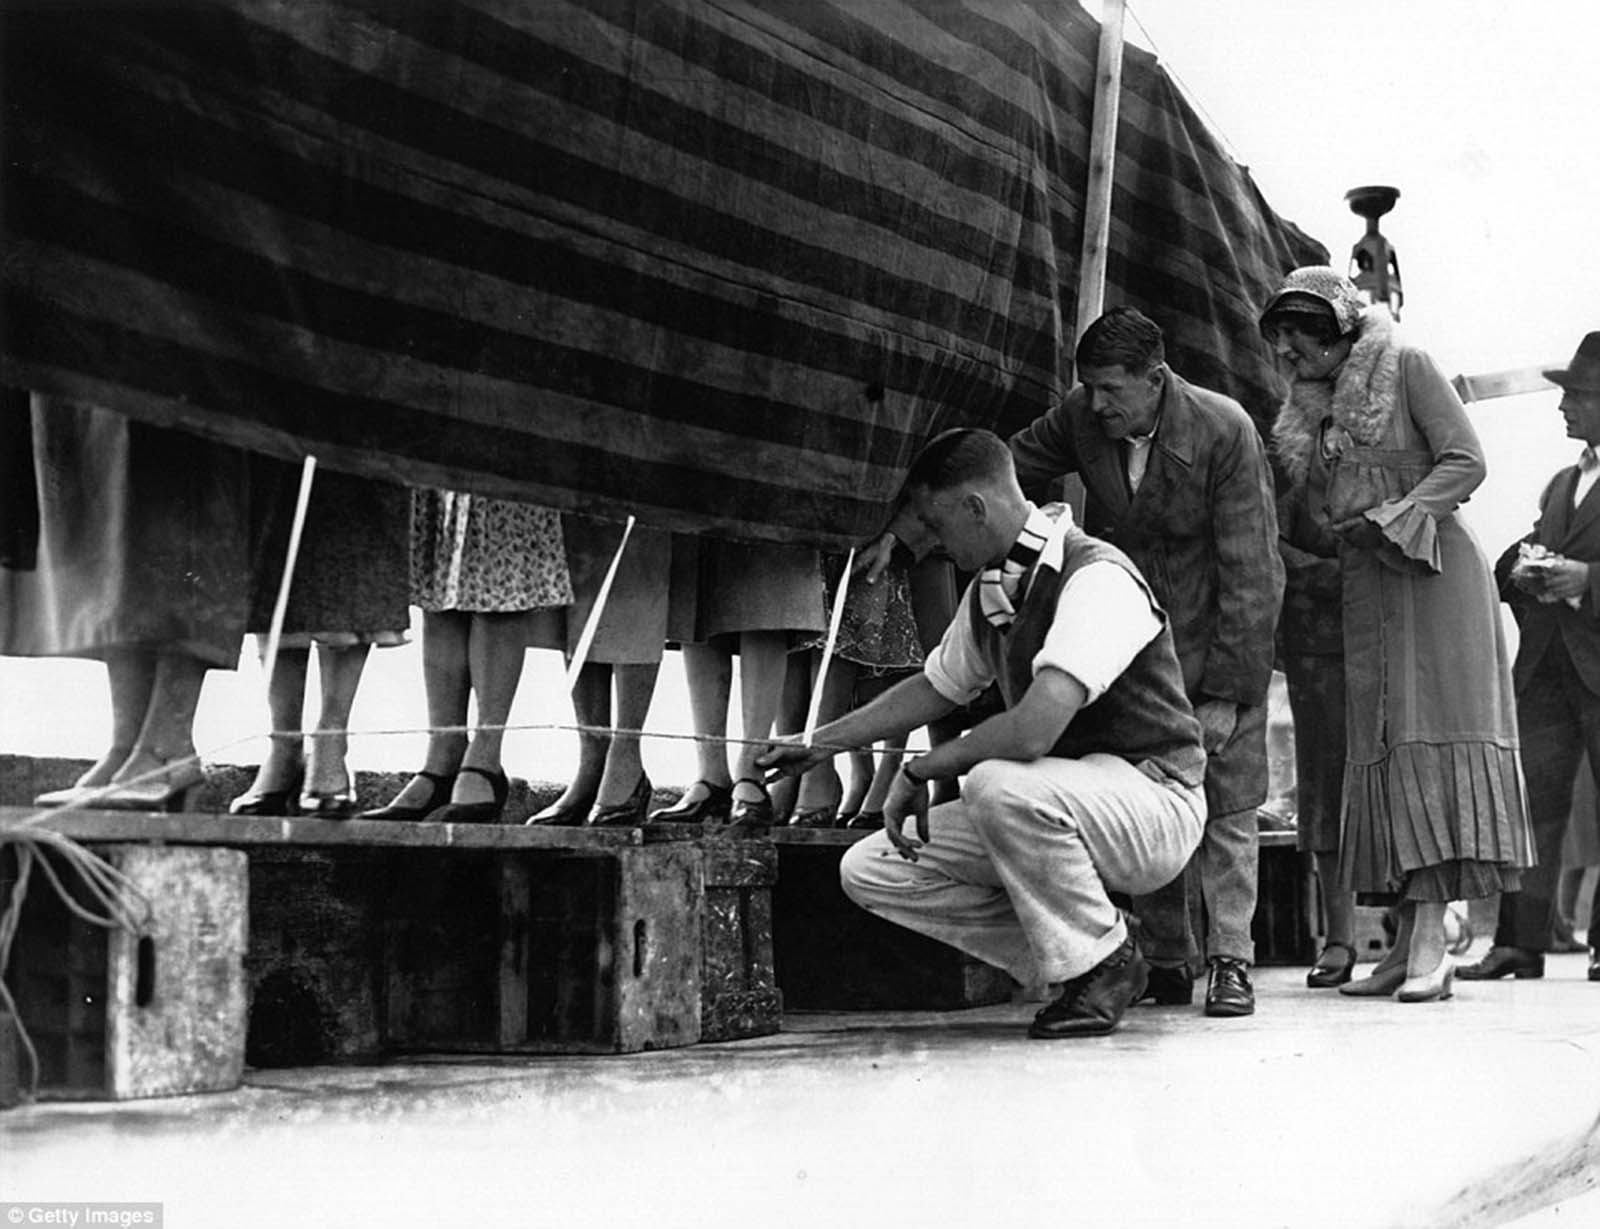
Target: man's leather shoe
1093, 1004
1594, 964
1518, 962
1228, 992
1168, 987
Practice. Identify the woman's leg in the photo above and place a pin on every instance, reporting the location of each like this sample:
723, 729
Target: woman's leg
821, 788
591, 705
339, 671
496, 649
166, 736
942, 731
1426, 948
763, 657
130, 677
709, 671
286, 693
624, 766
1338, 903
793, 705
446, 683
863, 771
889, 761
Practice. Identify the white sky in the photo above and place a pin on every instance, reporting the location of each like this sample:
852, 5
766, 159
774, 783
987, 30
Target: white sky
1486, 116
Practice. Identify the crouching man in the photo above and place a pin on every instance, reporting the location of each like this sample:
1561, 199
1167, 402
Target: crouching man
1089, 782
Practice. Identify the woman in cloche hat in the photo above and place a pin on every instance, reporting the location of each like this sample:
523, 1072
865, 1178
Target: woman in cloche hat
1434, 805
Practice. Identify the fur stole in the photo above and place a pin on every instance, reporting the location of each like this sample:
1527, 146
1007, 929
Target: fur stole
1361, 398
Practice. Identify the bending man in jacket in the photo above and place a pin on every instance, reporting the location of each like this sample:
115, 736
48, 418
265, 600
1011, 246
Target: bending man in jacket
1177, 477
1090, 780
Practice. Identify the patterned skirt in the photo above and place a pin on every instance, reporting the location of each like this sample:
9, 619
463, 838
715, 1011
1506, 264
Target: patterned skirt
472, 553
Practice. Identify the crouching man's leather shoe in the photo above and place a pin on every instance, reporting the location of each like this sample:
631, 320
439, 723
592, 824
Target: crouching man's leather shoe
1093, 1004
1168, 986
1500, 962
1229, 993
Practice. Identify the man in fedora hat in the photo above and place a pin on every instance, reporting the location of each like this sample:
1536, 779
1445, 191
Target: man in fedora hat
1551, 579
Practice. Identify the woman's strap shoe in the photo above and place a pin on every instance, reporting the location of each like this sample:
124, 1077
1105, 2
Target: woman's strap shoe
630, 813
476, 812
751, 812
562, 815
711, 808
441, 784
169, 790
1325, 975
329, 804
870, 820
1379, 984
270, 802
1430, 987
815, 817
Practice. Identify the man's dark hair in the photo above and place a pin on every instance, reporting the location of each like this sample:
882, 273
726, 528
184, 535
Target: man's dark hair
1123, 337
955, 458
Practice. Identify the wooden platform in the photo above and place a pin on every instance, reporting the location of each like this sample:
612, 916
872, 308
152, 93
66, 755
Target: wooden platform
372, 938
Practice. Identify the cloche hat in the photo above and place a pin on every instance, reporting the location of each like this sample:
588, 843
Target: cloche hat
1317, 287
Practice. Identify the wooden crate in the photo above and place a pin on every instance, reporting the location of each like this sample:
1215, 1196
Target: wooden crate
545, 951
739, 994
115, 1015
376, 937
832, 955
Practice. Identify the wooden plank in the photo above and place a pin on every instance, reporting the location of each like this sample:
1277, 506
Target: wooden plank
1514, 383
1102, 168
211, 829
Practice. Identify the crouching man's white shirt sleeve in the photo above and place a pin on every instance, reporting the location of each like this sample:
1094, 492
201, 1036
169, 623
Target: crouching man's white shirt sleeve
1103, 621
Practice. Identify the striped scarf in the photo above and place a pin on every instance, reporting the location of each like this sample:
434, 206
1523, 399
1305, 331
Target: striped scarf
999, 586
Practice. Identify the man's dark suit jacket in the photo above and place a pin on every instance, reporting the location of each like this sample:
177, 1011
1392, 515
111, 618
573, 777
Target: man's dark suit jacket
1575, 533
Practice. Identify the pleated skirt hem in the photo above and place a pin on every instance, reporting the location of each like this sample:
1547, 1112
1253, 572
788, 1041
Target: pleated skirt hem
1437, 821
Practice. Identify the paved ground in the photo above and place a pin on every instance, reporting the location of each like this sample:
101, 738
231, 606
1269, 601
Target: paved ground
1318, 1111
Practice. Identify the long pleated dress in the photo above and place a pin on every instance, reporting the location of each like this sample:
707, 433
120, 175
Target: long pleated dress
1434, 802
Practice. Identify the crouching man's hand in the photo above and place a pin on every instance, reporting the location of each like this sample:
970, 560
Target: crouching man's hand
789, 757
908, 799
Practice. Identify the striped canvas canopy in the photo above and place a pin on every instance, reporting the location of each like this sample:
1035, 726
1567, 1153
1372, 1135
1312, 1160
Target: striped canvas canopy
724, 266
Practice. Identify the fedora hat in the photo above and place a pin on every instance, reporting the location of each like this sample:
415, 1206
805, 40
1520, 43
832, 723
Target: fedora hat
1583, 373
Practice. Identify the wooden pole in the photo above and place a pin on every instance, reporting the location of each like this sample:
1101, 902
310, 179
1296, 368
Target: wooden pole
1102, 168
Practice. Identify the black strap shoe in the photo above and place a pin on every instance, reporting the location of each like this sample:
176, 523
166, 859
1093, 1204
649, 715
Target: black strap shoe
486, 812
711, 808
439, 786
751, 812
1330, 971
1228, 991
1092, 1005
629, 813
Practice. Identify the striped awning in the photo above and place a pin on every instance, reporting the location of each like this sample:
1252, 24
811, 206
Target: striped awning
719, 265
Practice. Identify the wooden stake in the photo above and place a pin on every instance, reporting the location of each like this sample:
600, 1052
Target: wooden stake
1102, 168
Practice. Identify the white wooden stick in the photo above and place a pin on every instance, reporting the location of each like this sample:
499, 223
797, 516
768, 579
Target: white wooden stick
592, 624
827, 648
